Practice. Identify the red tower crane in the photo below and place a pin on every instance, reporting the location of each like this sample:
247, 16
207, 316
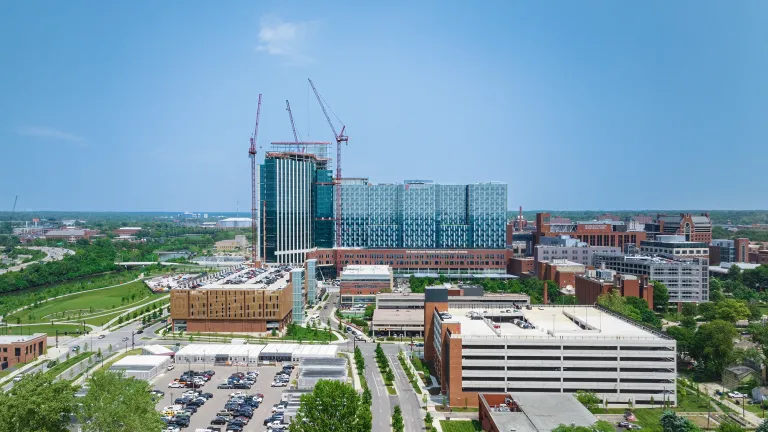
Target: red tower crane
254, 200
340, 137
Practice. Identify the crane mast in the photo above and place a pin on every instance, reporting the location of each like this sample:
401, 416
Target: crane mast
254, 198
340, 137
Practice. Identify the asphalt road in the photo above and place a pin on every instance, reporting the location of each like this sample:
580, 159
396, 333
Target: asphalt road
52, 254
382, 403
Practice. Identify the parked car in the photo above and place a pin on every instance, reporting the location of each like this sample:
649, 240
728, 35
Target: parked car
279, 384
170, 367
224, 386
219, 420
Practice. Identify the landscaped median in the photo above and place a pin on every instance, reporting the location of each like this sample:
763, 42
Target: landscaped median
386, 370
408, 372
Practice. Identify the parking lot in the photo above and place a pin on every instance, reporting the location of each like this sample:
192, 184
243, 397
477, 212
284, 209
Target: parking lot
201, 419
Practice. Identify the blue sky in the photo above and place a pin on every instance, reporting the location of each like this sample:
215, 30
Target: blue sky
576, 105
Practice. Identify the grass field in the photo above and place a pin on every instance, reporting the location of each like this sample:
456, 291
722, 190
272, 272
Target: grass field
87, 303
460, 426
44, 328
66, 364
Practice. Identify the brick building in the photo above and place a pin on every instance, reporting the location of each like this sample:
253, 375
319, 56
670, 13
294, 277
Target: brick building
597, 282
729, 251
21, 349
595, 233
759, 257
360, 283
520, 266
563, 272
695, 228
545, 349
447, 261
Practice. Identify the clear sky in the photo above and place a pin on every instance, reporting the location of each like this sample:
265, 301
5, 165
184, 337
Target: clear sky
576, 105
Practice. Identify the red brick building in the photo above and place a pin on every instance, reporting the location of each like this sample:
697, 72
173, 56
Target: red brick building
127, 231
417, 260
595, 233
592, 284
695, 228
562, 272
21, 349
759, 257
519, 266
365, 279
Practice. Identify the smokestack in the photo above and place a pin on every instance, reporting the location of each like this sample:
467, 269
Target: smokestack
520, 220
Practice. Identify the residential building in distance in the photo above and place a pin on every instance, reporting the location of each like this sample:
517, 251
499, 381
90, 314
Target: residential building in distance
595, 233
250, 300
240, 242
126, 231
545, 349
594, 283
696, 228
422, 215
70, 235
759, 257
686, 278
359, 284
21, 349
730, 251
235, 222
566, 247
297, 201
674, 245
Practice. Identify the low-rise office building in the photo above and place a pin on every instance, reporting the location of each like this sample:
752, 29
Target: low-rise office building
695, 228
730, 251
545, 349
595, 233
21, 349
144, 367
403, 313
359, 284
562, 271
568, 248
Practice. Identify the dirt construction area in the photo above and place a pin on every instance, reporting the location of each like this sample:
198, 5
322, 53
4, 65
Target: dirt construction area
202, 418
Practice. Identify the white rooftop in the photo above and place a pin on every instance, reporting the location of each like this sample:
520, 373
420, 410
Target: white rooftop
547, 322
140, 361
19, 338
258, 282
366, 270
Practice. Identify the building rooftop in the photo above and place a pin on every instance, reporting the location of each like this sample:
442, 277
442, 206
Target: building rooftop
19, 338
249, 278
236, 219
383, 317
540, 412
365, 270
139, 362
546, 321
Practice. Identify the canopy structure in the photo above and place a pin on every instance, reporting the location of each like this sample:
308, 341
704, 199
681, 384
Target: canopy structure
252, 354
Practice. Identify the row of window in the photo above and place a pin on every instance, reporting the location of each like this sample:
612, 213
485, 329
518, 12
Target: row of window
568, 358
568, 347
567, 369
558, 379
557, 390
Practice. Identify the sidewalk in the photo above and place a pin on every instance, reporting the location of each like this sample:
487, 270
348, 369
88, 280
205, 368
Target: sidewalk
710, 388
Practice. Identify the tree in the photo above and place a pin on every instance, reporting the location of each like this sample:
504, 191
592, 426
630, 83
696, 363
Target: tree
763, 426
731, 310
708, 311
684, 337
689, 323
332, 406
712, 347
37, 403
397, 419
588, 399
670, 422
428, 421
660, 296
690, 310
118, 403
603, 426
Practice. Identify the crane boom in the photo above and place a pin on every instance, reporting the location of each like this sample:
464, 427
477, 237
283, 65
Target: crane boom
254, 192
15, 200
340, 137
293, 126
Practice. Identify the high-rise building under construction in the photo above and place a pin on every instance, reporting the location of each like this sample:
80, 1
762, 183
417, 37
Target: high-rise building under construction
297, 205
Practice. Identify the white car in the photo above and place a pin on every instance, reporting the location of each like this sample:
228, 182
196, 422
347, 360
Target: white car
736, 395
18, 378
276, 425
175, 384
170, 367
279, 384
172, 429
237, 394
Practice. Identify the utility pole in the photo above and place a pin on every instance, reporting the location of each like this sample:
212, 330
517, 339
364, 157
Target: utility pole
132, 343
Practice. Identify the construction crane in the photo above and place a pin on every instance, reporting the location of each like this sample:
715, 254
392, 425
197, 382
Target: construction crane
293, 126
254, 199
14, 208
340, 137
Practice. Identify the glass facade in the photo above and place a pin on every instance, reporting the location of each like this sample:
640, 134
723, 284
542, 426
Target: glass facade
424, 215
297, 200
297, 284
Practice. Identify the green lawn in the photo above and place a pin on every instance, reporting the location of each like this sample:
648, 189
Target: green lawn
460, 426
100, 320
44, 328
88, 303
308, 334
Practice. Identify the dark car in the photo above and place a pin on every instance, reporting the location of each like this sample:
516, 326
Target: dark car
236, 422
179, 421
224, 386
207, 395
191, 407
232, 407
272, 418
243, 413
234, 428
210, 372
194, 403
219, 421
182, 401
139, 331
243, 419
242, 386
251, 402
